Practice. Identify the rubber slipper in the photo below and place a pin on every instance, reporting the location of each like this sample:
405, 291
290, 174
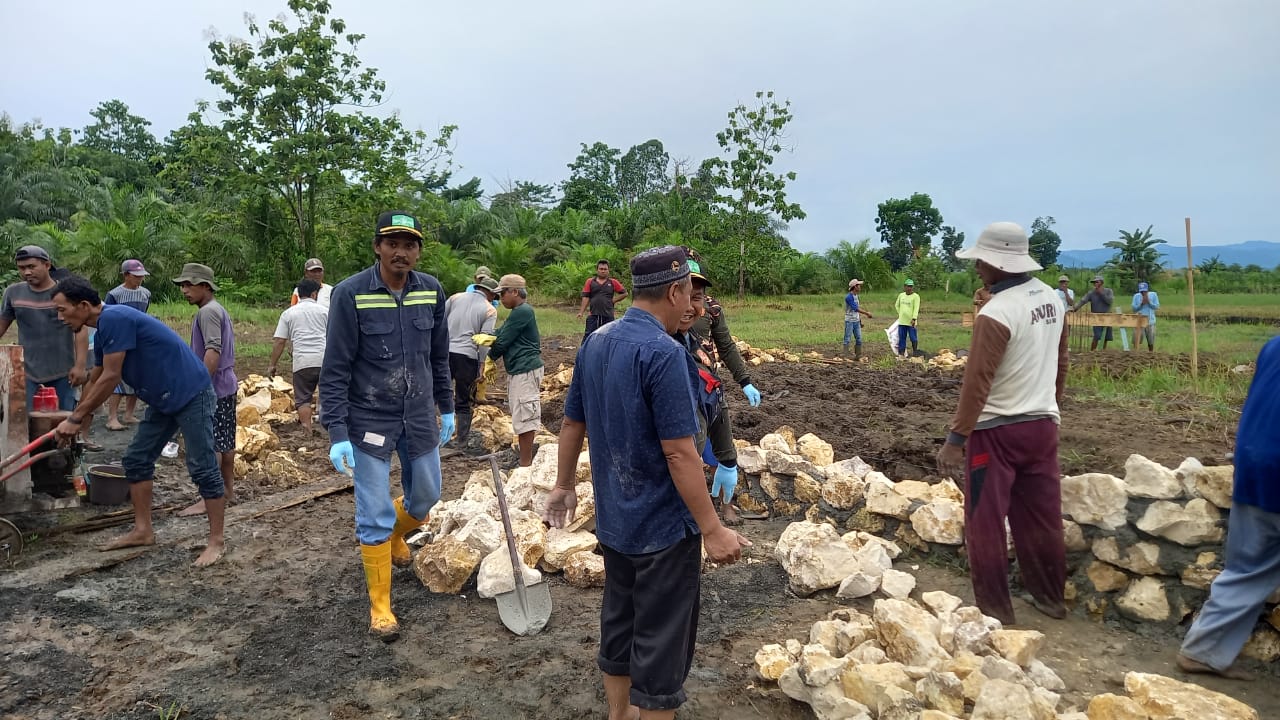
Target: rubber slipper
93, 446
116, 427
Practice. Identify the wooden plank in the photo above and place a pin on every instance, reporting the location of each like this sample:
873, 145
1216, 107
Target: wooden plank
966, 319
1119, 320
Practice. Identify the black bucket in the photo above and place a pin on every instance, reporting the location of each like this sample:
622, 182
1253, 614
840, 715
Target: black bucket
107, 485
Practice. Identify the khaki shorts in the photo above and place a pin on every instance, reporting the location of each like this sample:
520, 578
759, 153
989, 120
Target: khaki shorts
524, 401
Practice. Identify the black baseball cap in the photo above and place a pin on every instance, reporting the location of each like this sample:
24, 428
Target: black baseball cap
393, 222
27, 252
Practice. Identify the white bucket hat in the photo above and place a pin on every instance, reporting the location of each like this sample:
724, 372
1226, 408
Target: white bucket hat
1002, 245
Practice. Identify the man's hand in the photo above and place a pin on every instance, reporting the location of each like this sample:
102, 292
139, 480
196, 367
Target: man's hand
78, 376
951, 461
724, 546
753, 395
483, 339
447, 423
869, 315
66, 430
271, 371
560, 507
726, 481
343, 457
913, 323
579, 314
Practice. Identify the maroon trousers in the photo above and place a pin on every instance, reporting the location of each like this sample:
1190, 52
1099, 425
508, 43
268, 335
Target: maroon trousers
1013, 472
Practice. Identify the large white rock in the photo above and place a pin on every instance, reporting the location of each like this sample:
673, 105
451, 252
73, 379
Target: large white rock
941, 691
939, 521
908, 633
1095, 499
853, 467
751, 460
941, 602
1106, 578
882, 500
1195, 524
1043, 676
827, 633
860, 538
772, 661
1186, 475
1145, 599
874, 558
815, 450
483, 533
1167, 699
1263, 645
1109, 706
1073, 536
818, 666
584, 570
948, 490
917, 490
897, 584
496, 577
1017, 646
859, 584
806, 489
1003, 700
971, 637
1215, 484
562, 544
869, 684
868, 653
1149, 479
814, 557
1142, 558
778, 443
843, 491
445, 565
784, 464
827, 702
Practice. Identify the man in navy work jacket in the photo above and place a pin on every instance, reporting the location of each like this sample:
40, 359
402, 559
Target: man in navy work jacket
632, 391
385, 372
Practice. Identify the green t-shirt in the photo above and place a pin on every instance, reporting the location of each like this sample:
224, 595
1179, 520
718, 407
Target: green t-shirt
518, 343
908, 307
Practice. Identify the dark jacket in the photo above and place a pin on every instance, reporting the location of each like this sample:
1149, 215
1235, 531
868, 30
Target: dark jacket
713, 329
386, 364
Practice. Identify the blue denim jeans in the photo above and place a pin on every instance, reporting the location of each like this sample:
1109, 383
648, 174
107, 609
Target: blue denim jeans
852, 329
903, 332
66, 393
1239, 593
157, 428
419, 478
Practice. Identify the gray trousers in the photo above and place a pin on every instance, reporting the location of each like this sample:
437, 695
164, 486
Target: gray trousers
1239, 593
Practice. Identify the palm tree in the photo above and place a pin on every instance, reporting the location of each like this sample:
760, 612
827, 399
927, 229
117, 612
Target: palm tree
1136, 255
137, 225
859, 260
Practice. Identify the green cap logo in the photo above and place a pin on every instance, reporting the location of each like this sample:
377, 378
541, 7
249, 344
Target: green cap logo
694, 267
404, 221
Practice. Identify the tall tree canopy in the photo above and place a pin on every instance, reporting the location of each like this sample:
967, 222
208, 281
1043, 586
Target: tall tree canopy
907, 227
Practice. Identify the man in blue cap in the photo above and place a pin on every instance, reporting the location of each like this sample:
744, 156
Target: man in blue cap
632, 391
1145, 302
385, 372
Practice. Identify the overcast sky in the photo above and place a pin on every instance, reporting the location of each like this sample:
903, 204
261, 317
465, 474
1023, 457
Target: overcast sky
1104, 114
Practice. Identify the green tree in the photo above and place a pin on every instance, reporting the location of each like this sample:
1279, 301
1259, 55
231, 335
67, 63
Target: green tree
928, 272
1212, 265
1137, 257
642, 172
753, 193
524, 193
469, 190
294, 105
120, 132
952, 241
592, 183
137, 225
859, 260
907, 227
1044, 241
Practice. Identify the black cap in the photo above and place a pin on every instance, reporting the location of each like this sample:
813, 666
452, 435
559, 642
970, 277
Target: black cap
393, 222
27, 252
659, 266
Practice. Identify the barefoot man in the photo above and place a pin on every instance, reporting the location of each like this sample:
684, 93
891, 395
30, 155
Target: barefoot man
214, 342
632, 391
142, 351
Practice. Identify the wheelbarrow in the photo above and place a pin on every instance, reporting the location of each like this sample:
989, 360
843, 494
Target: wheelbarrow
10, 536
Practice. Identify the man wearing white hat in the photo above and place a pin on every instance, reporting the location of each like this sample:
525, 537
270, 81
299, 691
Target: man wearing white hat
853, 313
1003, 440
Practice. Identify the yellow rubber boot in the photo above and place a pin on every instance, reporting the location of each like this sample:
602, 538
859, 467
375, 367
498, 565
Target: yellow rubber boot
405, 523
377, 575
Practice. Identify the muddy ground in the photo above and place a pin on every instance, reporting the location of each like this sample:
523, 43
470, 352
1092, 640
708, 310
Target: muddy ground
278, 628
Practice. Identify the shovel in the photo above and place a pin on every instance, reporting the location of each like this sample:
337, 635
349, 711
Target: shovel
525, 610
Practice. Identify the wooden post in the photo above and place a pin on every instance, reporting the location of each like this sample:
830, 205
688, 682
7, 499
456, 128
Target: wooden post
1191, 292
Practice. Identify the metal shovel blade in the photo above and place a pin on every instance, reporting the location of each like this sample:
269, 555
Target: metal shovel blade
529, 617
525, 610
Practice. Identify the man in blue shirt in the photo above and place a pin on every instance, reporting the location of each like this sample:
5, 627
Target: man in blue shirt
1145, 302
632, 392
1252, 572
140, 350
385, 372
853, 313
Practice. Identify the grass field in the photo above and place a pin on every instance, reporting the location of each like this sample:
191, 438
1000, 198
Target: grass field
1231, 330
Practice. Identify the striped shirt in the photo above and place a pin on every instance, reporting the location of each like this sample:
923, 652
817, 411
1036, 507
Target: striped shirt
138, 298
47, 343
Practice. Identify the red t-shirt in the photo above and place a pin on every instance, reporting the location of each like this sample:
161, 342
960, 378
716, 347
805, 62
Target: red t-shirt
600, 296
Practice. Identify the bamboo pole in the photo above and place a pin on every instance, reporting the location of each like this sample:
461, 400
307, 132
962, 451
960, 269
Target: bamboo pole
1191, 292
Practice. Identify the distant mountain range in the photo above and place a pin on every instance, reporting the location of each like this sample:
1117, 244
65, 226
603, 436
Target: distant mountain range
1264, 254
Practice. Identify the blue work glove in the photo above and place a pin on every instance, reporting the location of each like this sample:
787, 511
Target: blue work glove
446, 428
726, 480
340, 453
753, 395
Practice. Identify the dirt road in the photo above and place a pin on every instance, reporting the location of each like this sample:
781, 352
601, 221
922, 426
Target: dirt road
278, 628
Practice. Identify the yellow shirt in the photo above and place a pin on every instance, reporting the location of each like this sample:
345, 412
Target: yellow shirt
908, 307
